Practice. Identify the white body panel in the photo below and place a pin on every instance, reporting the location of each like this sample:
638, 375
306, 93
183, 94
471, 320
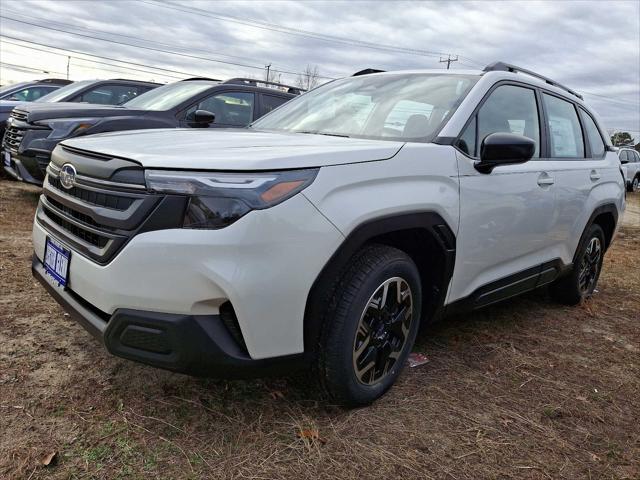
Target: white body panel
233, 149
264, 264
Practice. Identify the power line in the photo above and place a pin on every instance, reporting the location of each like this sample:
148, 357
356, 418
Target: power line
610, 99
299, 32
148, 48
93, 61
13, 66
153, 42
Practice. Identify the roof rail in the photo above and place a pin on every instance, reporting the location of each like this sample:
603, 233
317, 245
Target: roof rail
505, 67
367, 71
200, 78
255, 82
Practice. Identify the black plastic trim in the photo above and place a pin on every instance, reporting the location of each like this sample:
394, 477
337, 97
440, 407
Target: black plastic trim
197, 345
431, 222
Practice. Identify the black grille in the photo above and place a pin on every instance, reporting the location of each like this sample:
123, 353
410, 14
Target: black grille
81, 217
13, 137
107, 200
18, 115
89, 237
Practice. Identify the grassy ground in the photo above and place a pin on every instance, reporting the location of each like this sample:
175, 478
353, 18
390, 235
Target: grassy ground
526, 389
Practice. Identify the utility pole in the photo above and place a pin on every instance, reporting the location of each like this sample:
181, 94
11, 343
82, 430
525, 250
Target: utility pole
448, 60
268, 67
68, 63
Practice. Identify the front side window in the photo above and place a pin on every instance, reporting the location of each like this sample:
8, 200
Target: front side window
230, 108
65, 92
564, 128
509, 109
593, 135
400, 107
111, 94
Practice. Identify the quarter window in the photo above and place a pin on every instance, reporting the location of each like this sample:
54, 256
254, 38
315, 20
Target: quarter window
593, 135
509, 109
271, 102
564, 128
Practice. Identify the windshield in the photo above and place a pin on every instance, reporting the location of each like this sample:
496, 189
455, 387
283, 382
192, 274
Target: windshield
65, 92
168, 96
404, 107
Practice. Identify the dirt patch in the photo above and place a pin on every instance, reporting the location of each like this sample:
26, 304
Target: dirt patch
526, 389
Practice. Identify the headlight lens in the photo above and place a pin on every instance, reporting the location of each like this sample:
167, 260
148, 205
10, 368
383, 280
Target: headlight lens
219, 199
67, 127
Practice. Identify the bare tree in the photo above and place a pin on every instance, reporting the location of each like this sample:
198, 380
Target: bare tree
309, 78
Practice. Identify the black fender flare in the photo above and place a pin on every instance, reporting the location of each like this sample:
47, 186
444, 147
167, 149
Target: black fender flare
431, 222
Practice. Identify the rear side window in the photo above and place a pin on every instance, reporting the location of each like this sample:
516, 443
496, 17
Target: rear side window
564, 128
111, 94
593, 135
509, 109
271, 102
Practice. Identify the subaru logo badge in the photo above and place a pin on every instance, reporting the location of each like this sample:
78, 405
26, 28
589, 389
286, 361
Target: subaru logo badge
67, 175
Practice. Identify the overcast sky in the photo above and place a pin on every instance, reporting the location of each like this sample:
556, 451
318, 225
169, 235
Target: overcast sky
593, 47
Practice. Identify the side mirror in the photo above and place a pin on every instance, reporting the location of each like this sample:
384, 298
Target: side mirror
203, 118
504, 149
13, 98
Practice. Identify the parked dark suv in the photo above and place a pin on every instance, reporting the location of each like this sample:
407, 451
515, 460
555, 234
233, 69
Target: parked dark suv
34, 130
105, 92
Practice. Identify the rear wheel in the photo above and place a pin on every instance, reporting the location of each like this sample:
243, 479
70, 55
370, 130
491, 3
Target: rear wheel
635, 185
371, 324
581, 282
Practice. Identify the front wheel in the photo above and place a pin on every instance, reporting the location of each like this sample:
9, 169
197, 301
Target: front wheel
581, 282
371, 324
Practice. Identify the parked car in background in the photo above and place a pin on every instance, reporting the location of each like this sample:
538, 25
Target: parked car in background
329, 230
35, 129
98, 92
31, 91
13, 95
630, 159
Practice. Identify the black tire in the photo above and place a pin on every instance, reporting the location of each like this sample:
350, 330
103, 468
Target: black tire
634, 185
351, 317
580, 283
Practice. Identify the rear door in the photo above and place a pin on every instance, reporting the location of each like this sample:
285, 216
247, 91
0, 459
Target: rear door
508, 224
583, 174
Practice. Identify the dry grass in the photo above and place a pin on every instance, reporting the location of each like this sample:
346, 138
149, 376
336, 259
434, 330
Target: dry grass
526, 389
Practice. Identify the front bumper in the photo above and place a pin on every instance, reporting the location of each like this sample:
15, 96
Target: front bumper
193, 344
25, 168
264, 265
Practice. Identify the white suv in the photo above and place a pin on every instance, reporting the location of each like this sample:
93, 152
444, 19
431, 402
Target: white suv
328, 231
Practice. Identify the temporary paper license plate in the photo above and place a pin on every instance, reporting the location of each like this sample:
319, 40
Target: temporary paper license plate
56, 261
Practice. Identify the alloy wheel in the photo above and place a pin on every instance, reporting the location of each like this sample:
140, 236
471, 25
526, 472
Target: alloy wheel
590, 266
636, 184
383, 330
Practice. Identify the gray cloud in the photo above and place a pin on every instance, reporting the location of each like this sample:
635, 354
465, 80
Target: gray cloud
590, 46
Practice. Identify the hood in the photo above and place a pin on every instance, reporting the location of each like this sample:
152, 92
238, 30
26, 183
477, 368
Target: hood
36, 111
234, 149
8, 105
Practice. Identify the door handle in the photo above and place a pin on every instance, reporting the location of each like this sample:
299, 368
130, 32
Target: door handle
545, 180
595, 176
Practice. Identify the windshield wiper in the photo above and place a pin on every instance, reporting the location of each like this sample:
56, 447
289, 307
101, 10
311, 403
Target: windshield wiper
315, 132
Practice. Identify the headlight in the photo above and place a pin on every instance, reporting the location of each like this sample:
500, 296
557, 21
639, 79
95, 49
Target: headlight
219, 199
67, 127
